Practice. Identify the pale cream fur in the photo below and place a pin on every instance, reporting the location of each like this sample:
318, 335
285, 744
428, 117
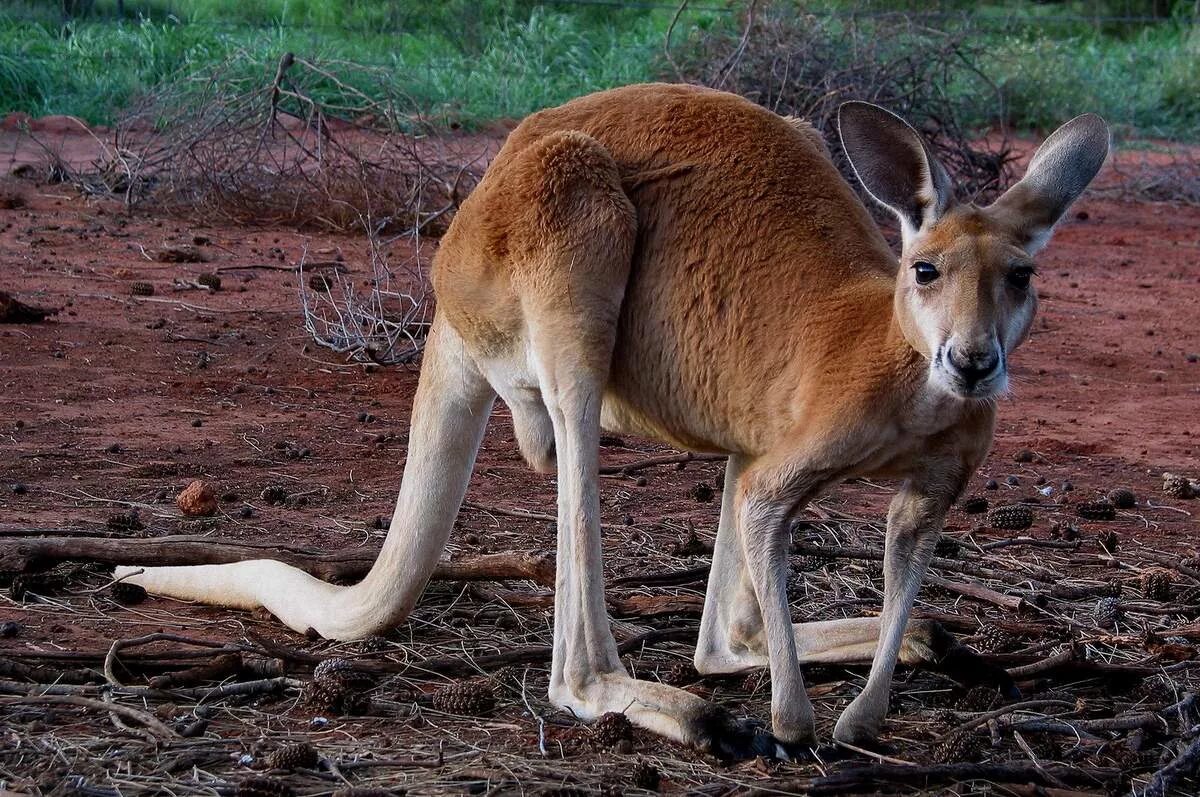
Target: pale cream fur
677, 262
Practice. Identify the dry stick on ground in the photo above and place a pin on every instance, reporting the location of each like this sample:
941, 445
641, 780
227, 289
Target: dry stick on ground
984, 719
859, 779
150, 722
1164, 780
21, 554
668, 459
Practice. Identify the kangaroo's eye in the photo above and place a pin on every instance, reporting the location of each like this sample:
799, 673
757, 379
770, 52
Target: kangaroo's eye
925, 272
1019, 276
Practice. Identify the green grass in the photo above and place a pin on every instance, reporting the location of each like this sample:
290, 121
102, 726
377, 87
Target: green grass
467, 62
471, 61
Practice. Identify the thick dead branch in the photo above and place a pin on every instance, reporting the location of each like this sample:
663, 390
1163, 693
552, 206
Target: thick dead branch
24, 554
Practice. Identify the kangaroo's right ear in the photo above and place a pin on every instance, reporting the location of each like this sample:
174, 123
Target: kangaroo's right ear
1060, 169
894, 165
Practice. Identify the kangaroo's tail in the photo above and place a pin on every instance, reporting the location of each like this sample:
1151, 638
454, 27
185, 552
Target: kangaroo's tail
449, 415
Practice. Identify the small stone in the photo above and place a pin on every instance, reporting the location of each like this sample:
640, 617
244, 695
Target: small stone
991, 484
197, 500
1067, 487
1024, 455
196, 422
19, 489
1012, 481
9, 629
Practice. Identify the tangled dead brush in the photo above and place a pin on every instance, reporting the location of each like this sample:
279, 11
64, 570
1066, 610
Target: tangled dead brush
387, 323
807, 65
317, 145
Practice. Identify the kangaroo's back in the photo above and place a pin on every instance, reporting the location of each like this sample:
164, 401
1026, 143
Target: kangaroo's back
750, 248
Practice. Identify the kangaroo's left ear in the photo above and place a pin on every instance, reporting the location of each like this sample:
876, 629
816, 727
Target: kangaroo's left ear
1061, 168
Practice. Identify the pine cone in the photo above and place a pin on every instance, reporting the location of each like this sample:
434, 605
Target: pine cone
947, 547
141, 289
978, 698
1122, 498
466, 698
812, 563
1014, 517
258, 786
994, 639
962, 747
645, 776
1096, 510
332, 667
1177, 486
210, 281
338, 694
1156, 584
300, 755
611, 729
702, 492
751, 682
678, 673
1107, 612
373, 644
975, 505
1109, 542
1157, 690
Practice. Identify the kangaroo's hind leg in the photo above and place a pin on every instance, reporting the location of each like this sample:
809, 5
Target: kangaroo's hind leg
578, 242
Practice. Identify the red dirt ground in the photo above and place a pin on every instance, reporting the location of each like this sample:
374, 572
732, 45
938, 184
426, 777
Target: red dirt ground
126, 399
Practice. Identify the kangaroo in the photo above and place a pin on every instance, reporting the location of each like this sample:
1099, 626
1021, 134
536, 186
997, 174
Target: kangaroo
679, 263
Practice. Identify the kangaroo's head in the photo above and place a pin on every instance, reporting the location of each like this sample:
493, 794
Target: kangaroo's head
964, 292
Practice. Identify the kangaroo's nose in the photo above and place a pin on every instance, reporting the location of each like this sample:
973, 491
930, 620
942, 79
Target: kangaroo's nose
974, 366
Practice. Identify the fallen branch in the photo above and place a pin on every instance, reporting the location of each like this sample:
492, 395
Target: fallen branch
24, 554
1184, 765
858, 779
978, 592
650, 462
126, 712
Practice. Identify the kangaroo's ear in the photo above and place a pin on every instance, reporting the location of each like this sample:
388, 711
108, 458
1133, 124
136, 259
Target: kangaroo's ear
1061, 168
894, 165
